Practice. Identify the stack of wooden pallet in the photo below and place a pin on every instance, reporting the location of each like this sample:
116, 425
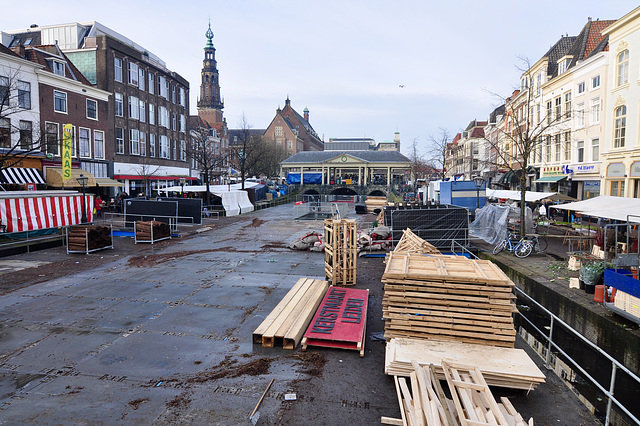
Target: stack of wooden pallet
340, 251
288, 321
472, 402
373, 203
448, 297
152, 231
88, 238
411, 243
504, 367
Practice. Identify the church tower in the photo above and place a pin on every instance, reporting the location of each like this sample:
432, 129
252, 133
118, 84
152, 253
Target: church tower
210, 104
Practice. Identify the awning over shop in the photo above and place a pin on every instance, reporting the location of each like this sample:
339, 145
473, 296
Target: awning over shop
550, 179
607, 207
20, 176
154, 177
104, 182
54, 178
530, 196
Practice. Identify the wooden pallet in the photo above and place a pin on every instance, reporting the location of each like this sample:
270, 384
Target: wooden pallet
341, 251
88, 238
289, 319
447, 297
474, 402
423, 402
505, 367
373, 203
411, 243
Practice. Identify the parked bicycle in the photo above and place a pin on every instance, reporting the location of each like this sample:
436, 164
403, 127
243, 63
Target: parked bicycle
540, 243
521, 248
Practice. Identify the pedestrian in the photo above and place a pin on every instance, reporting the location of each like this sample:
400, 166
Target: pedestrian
97, 206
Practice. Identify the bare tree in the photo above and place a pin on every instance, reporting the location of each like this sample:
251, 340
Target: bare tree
439, 152
248, 151
269, 162
146, 172
207, 154
19, 137
520, 136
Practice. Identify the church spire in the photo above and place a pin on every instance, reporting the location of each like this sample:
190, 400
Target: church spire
210, 104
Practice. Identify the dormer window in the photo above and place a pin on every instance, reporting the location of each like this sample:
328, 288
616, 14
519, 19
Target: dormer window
563, 64
57, 67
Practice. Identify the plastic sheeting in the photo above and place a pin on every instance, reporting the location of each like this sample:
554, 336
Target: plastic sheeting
491, 223
492, 220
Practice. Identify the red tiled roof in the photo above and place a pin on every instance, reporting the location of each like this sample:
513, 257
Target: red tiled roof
456, 139
595, 35
477, 132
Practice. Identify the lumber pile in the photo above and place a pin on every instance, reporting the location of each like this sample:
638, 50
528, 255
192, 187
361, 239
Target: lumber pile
411, 243
373, 203
340, 251
472, 403
504, 367
88, 238
447, 298
290, 318
151, 231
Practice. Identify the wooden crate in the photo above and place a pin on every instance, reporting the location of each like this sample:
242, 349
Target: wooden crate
151, 231
341, 252
88, 238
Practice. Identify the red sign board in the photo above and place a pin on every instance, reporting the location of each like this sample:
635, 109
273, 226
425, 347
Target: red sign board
340, 320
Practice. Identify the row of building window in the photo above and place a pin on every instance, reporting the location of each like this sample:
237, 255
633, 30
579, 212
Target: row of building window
136, 77
85, 142
137, 111
60, 105
557, 148
23, 90
138, 145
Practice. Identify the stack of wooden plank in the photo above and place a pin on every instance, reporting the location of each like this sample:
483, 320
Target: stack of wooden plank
472, 402
151, 231
88, 238
290, 318
373, 203
340, 251
504, 367
448, 297
411, 243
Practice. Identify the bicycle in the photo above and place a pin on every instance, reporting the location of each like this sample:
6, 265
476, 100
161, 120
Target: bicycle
540, 243
521, 249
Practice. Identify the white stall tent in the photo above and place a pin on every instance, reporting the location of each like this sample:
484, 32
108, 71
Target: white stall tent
530, 196
606, 207
234, 200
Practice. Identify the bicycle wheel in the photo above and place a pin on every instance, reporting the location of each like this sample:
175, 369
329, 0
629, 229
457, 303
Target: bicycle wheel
523, 249
542, 244
501, 245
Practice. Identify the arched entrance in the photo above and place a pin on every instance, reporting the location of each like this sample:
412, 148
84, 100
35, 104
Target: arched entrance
343, 191
377, 193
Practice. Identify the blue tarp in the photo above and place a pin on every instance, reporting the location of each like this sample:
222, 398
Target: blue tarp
309, 178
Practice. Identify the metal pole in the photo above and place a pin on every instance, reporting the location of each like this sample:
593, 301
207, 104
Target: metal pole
611, 386
84, 207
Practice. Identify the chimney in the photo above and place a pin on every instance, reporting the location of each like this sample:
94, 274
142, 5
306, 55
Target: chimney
306, 114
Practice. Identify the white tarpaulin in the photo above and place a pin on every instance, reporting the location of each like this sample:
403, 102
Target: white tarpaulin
234, 200
529, 197
607, 207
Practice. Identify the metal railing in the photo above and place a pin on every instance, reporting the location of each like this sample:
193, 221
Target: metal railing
615, 365
28, 238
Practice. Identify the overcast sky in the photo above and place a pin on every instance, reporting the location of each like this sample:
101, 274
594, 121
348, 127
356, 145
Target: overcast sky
363, 68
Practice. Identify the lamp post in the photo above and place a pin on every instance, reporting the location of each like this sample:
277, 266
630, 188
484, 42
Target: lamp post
182, 181
82, 180
478, 181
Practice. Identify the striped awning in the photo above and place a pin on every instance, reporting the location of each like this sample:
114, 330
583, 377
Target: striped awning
21, 176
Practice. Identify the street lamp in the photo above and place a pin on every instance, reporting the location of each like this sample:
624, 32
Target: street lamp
82, 180
478, 181
182, 181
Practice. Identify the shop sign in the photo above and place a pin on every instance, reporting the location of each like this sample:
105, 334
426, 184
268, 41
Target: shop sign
588, 168
634, 171
552, 170
615, 170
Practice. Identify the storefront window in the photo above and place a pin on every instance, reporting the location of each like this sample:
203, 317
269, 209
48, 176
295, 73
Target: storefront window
590, 189
617, 188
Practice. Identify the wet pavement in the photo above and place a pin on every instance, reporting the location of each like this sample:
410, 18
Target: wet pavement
162, 335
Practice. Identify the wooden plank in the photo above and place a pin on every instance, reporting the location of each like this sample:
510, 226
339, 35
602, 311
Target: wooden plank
391, 421
257, 334
294, 334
